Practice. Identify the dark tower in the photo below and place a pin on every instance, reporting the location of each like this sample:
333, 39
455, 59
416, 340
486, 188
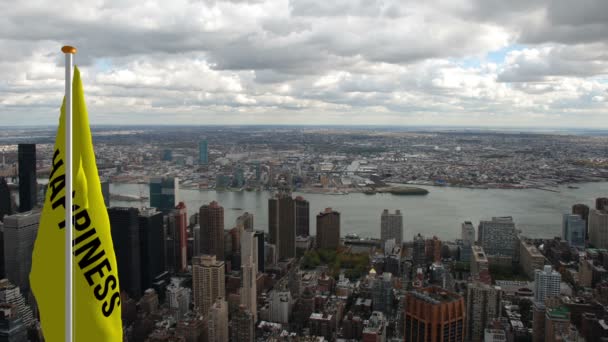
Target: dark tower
259, 235
282, 225
328, 229
211, 221
601, 203
302, 217
125, 235
6, 205
151, 242
582, 211
27, 177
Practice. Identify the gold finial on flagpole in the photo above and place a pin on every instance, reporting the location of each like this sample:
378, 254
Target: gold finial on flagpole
68, 49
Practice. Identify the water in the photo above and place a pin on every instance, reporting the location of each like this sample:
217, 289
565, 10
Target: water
536, 212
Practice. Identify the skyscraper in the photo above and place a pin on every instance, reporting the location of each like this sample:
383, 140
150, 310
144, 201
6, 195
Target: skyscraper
434, 314
249, 268
203, 153
546, 284
28, 194
582, 210
573, 230
164, 193
259, 235
125, 236
467, 232
208, 283
418, 252
20, 232
328, 229
598, 228
245, 220
243, 326
302, 216
391, 227
6, 203
498, 236
483, 306
382, 293
218, 321
11, 294
105, 191
178, 298
179, 222
479, 264
151, 239
282, 225
433, 250
211, 220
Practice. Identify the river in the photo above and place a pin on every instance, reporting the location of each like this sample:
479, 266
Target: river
536, 212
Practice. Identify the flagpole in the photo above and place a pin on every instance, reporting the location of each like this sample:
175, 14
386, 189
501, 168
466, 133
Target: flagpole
69, 52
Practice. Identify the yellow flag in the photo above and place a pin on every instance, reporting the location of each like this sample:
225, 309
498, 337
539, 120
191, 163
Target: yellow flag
96, 294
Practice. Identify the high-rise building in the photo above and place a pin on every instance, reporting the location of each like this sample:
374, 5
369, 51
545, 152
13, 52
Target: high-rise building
573, 230
179, 223
203, 153
434, 314
433, 250
125, 236
164, 193
151, 239
601, 203
323, 325
6, 202
582, 210
281, 305
418, 252
382, 293
208, 282
245, 220
375, 328
12, 328
467, 232
249, 268
391, 227
483, 306
28, 192
178, 298
546, 283
20, 232
211, 219
10, 294
259, 236
598, 228
302, 216
328, 229
218, 321
498, 236
243, 326
480, 268
530, 258
282, 225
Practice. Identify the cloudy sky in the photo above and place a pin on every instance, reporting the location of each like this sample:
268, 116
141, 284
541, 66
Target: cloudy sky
386, 62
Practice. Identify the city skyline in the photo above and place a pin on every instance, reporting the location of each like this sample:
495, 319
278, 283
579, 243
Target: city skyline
272, 61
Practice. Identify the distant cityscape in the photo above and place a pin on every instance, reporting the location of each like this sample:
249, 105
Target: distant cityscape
201, 277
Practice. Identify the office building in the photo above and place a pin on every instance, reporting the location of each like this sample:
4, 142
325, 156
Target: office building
124, 224
243, 326
582, 210
418, 252
28, 190
391, 227
530, 259
178, 298
6, 201
203, 153
208, 281
498, 236
178, 223
11, 294
382, 293
218, 321
328, 229
164, 193
573, 230
211, 221
480, 267
105, 192
259, 236
483, 306
152, 246
374, 329
282, 225
12, 328
302, 216
20, 232
432, 250
281, 305
467, 234
249, 268
546, 283
598, 228
245, 221
434, 314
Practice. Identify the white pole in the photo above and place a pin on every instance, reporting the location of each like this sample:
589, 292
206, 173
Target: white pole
69, 53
